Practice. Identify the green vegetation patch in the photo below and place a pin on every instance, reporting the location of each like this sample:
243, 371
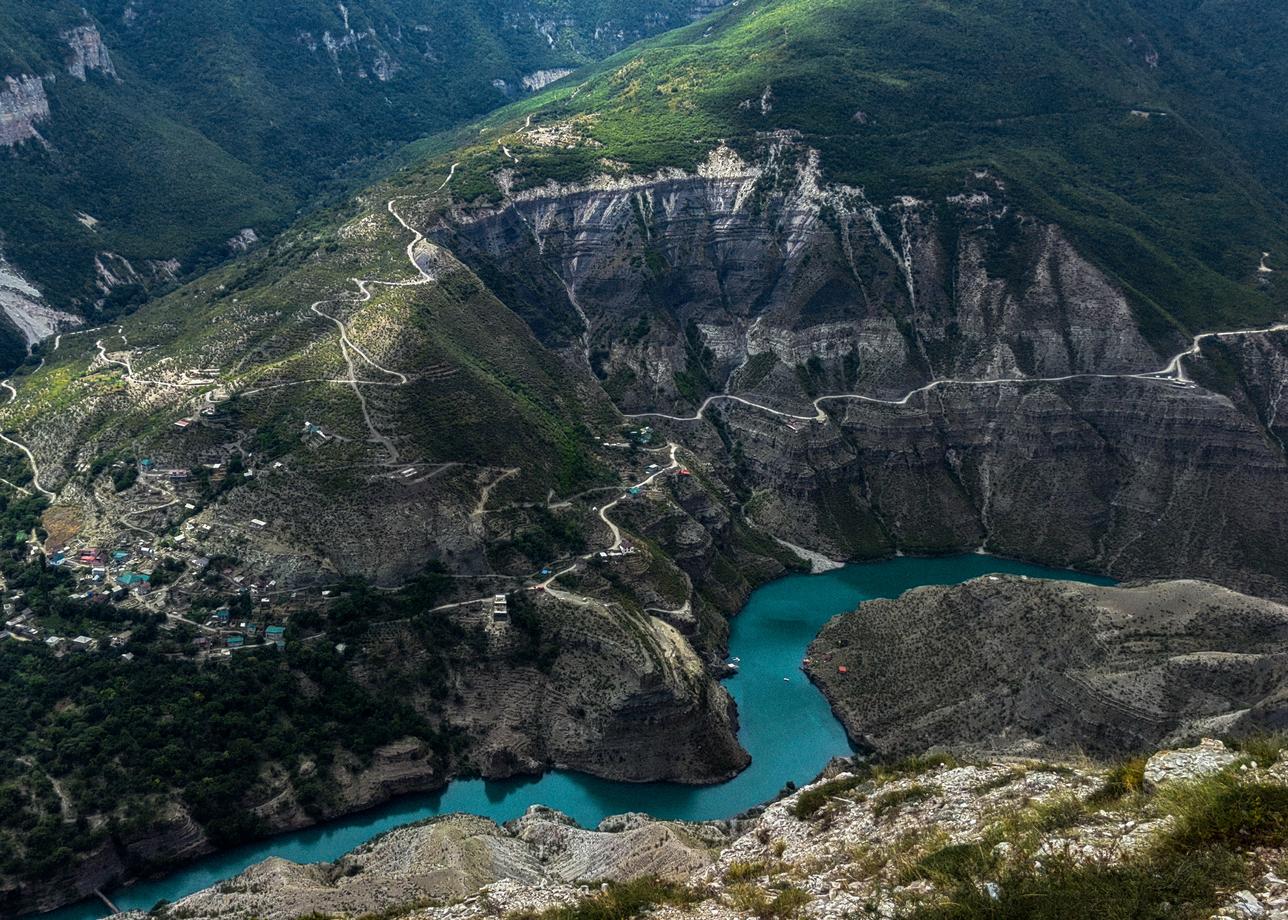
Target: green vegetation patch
621, 901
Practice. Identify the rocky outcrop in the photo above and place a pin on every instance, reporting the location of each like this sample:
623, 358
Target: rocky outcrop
626, 698
861, 841
245, 239
1008, 664
113, 270
1208, 757
88, 53
23, 105
540, 79
447, 859
22, 303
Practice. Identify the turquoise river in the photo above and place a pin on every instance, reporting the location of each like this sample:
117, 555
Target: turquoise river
785, 723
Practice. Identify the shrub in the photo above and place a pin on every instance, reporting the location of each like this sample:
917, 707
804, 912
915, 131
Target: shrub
957, 862
1223, 811
1123, 779
1264, 750
744, 871
1183, 885
890, 801
809, 802
624, 900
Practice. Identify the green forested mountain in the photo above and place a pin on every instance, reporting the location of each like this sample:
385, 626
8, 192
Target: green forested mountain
1149, 130
887, 276
157, 131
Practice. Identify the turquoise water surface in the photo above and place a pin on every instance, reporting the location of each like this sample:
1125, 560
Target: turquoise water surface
785, 723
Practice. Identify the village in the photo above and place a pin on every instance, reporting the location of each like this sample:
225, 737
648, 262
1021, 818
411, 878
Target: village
184, 573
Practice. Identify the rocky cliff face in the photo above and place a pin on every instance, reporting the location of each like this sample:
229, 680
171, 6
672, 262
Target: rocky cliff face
23, 105
24, 307
1006, 664
745, 276
88, 53
983, 383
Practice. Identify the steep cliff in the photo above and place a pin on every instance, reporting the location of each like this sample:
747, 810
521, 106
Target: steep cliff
1009, 665
923, 375
23, 105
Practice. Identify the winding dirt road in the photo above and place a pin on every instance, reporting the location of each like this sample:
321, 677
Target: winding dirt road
349, 348
31, 458
1174, 371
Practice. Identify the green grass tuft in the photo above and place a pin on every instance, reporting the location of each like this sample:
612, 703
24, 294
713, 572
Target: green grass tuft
620, 901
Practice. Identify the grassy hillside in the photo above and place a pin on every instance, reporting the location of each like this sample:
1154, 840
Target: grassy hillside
1132, 124
234, 114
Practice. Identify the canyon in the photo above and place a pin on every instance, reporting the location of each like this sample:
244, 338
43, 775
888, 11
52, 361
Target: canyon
1004, 395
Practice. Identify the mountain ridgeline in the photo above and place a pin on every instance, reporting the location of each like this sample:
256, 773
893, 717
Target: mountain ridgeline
141, 140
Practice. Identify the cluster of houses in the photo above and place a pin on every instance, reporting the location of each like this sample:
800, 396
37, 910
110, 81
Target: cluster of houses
114, 574
230, 635
626, 549
21, 626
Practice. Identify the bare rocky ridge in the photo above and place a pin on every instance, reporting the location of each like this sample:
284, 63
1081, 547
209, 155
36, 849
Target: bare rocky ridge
864, 848
23, 105
1003, 664
449, 859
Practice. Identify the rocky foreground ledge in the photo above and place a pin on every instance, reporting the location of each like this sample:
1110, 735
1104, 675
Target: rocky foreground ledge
1197, 832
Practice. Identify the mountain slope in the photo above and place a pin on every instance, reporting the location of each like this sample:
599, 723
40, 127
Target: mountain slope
141, 138
1084, 110
915, 278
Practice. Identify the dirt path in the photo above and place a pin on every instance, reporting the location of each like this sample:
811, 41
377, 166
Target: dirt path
31, 458
481, 507
349, 348
1174, 372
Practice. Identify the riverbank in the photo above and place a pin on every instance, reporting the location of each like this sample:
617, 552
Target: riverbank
1191, 833
784, 723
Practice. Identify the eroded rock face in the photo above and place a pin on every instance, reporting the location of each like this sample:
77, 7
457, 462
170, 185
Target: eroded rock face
540, 79
26, 308
88, 53
993, 364
1135, 478
745, 276
1008, 664
23, 105
447, 859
